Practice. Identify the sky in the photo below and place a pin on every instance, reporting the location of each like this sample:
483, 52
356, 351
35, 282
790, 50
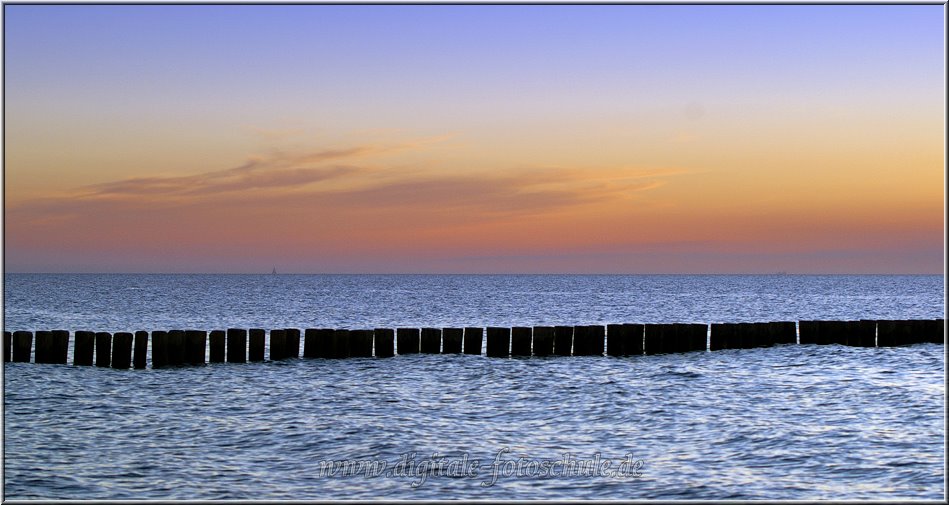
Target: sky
474, 138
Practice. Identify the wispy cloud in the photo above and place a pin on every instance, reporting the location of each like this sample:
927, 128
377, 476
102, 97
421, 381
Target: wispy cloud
277, 171
335, 176
499, 193
247, 177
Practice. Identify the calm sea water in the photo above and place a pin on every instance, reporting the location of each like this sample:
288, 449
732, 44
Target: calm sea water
791, 422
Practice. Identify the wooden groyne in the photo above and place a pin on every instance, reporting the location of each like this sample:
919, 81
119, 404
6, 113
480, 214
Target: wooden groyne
170, 348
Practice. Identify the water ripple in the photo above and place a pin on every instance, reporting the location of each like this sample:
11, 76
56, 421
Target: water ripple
790, 422
753, 424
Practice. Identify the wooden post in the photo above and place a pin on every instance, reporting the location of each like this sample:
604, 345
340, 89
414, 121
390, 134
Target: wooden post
851, 330
59, 350
615, 340
407, 340
328, 339
765, 337
937, 331
684, 336
809, 332
217, 344
103, 349
919, 329
451, 340
563, 340
830, 332
83, 347
581, 341
7, 346
634, 335
789, 332
187, 348
499, 342
341, 343
773, 330
847, 332
122, 351
718, 340
44, 345
278, 345
676, 337
782, 332
699, 337
384, 342
197, 343
667, 339
310, 339
695, 337
825, 333
910, 331
543, 340
141, 349
743, 338
176, 349
318, 343
431, 341
583, 337
750, 336
597, 339
22, 346
257, 338
905, 331
159, 349
840, 331
174, 342
652, 339
762, 334
293, 342
236, 345
521, 341
886, 333
734, 336
361, 343
309, 343
924, 326
473, 340
859, 330
679, 337
865, 334
622, 339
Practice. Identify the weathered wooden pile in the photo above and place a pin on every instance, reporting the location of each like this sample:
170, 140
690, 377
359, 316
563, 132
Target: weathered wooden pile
196, 347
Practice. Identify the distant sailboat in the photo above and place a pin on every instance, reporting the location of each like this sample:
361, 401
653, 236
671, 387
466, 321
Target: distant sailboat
274, 271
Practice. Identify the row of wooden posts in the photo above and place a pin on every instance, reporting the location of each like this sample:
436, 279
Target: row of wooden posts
194, 347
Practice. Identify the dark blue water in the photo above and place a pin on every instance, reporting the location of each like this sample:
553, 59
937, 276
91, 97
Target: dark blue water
137, 302
788, 422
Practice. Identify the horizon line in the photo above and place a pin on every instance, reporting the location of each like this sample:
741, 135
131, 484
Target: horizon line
483, 273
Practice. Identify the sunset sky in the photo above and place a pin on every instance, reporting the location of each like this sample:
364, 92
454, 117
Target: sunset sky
389, 139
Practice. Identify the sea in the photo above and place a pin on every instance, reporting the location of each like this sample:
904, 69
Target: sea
790, 422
